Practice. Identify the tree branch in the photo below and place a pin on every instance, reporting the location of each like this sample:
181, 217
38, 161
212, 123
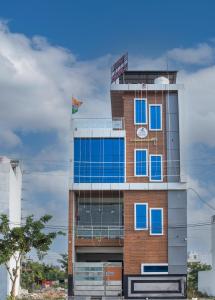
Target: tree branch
9, 272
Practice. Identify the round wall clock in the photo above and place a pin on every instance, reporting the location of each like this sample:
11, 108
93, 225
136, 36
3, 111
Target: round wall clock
142, 132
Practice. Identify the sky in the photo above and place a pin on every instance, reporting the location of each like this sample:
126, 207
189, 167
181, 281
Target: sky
51, 50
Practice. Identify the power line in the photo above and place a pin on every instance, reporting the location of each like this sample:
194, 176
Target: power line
201, 199
67, 162
65, 227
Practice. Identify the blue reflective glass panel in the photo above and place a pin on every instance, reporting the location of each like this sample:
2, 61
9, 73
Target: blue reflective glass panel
99, 160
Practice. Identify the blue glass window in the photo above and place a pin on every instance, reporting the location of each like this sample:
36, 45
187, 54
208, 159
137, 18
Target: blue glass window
156, 172
141, 216
99, 160
156, 221
140, 111
155, 117
159, 268
141, 162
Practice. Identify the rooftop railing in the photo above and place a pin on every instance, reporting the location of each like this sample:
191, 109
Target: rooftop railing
99, 123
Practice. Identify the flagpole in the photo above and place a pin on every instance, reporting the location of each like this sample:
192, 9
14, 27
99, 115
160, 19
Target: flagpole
75, 106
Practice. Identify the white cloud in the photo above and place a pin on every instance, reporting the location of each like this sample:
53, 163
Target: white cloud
9, 139
37, 81
200, 99
201, 55
147, 63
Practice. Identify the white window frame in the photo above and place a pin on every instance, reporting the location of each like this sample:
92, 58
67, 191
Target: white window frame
161, 110
142, 99
153, 264
150, 173
147, 162
147, 217
161, 209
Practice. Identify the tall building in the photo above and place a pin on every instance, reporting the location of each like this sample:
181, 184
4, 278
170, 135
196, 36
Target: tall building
10, 204
127, 199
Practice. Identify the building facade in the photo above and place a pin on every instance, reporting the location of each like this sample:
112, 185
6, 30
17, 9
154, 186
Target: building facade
10, 204
127, 199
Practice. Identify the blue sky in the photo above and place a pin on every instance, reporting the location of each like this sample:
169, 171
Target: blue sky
51, 50
96, 28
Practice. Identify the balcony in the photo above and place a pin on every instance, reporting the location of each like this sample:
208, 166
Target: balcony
107, 232
98, 123
99, 218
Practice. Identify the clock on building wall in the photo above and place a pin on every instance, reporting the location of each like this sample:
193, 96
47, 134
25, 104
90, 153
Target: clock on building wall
142, 132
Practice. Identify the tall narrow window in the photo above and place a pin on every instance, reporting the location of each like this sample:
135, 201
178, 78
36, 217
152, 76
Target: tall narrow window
156, 221
141, 162
140, 111
141, 216
156, 169
155, 117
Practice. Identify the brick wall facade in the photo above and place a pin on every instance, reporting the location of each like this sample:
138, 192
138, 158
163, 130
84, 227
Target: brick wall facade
139, 246
132, 141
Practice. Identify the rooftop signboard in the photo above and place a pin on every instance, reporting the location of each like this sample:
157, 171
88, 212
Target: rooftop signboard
119, 67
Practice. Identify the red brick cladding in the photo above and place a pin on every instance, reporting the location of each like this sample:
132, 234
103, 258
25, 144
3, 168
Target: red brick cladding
132, 141
139, 246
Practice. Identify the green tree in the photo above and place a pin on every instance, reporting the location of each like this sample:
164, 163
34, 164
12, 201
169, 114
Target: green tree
53, 272
193, 269
64, 262
33, 272
16, 242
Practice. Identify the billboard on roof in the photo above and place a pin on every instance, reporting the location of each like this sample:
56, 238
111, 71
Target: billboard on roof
119, 67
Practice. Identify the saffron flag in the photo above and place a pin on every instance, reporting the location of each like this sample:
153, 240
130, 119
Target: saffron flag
75, 105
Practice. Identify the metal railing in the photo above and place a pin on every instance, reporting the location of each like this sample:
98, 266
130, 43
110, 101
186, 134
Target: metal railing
99, 123
110, 232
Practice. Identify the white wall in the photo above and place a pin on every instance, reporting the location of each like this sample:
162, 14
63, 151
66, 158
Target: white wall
10, 204
206, 279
